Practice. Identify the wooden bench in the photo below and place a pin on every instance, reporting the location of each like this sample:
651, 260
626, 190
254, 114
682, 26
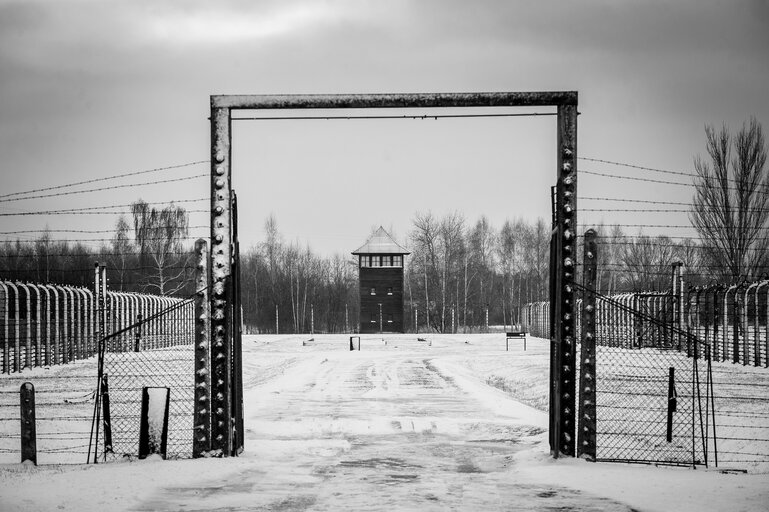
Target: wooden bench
513, 335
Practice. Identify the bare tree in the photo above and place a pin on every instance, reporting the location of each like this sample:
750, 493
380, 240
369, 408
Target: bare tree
425, 239
450, 234
159, 235
646, 262
731, 203
121, 251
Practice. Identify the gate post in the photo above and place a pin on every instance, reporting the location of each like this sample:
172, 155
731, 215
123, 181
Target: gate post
586, 433
220, 300
563, 385
201, 443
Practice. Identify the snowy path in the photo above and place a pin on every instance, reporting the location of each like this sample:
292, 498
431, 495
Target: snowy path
405, 425
380, 430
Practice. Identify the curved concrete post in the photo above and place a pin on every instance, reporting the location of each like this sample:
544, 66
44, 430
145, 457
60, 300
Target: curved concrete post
725, 319
757, 326
38, 334
25, 304
133, 313
167, 322
746, 346
14, 331
75, 334
64, 332
45, 324
4, 326
766, 334
88, 323
82, 318
145, 312
55, 329
118, 314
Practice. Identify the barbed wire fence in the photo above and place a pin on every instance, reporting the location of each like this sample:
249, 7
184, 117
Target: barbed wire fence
658, 275
50, 311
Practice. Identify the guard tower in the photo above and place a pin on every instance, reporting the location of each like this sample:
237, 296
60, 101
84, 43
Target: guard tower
380, 270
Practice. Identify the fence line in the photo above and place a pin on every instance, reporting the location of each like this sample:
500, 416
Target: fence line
50, 324
731, 320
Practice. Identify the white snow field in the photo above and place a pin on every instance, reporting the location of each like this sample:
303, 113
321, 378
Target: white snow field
401, 424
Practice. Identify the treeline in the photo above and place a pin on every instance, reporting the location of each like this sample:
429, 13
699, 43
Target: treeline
458, 275
149, 255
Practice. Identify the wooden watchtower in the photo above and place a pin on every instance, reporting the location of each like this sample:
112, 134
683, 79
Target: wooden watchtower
380, 270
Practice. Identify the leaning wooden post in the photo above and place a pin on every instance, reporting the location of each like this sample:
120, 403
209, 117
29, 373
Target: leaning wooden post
586, 430
201, 444
28, 429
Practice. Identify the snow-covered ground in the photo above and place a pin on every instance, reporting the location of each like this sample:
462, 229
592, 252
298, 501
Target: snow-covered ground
450, 423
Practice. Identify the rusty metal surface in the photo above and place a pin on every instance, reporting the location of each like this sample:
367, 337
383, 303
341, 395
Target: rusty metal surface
565, 268
201, 443
221, 276
403, 100
586, 431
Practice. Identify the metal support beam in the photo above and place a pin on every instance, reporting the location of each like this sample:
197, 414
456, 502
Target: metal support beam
566, 225
586, 441
221, 276
201, 440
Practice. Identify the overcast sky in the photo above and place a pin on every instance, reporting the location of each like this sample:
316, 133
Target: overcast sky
91, 89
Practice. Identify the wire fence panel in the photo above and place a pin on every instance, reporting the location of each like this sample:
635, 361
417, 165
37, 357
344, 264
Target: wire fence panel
64, 401
705, 350
156, 351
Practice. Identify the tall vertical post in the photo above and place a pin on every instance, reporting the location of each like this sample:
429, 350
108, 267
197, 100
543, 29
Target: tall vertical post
103, 305
236, 367
276, 320
586, 430
565, 213
97, 306
221, 275
312, 318
346, 319
201, 441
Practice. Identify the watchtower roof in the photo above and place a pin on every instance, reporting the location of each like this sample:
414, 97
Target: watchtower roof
380, 242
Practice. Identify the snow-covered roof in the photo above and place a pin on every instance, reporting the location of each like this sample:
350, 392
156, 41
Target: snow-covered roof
380, 242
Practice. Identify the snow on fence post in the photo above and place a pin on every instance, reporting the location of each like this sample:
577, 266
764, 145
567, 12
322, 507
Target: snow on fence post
586, 429
153, 431
28, 429
201, 441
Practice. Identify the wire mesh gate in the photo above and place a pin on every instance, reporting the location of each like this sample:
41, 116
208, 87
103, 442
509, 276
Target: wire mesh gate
155, 351
641, 392
650, 391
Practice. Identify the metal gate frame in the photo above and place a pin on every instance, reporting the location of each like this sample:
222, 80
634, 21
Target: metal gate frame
224, 408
